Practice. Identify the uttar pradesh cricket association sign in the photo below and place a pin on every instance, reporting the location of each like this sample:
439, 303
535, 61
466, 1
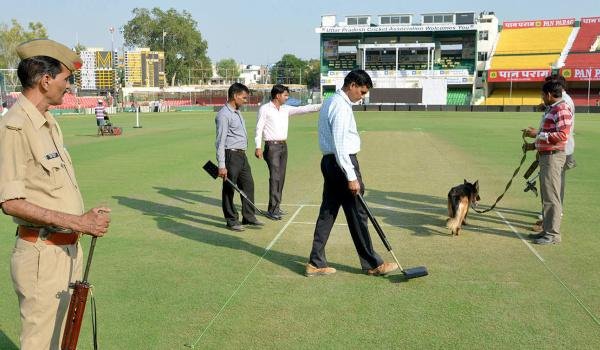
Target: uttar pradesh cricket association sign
517, 75
581, 74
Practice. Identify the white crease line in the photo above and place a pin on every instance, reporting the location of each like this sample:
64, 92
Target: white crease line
246, 277
583, 306
535, 252
341, 224
370, 206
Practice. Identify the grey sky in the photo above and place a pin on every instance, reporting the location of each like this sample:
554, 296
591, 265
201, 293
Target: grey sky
259, 31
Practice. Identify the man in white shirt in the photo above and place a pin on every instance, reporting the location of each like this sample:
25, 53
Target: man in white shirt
272, 127
339, 142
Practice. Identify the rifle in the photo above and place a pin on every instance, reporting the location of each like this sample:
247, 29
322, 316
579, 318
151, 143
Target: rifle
213, 170
77, 307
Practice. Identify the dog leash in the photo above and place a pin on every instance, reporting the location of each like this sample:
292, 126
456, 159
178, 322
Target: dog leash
509, 181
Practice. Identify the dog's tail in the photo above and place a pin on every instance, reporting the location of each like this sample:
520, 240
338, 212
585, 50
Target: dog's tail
455, 222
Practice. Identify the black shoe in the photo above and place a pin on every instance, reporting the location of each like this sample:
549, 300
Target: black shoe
273, 216
547, 239
236, 227
254, 222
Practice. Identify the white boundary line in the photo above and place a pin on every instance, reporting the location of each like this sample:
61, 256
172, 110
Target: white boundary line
193, 345
585, 308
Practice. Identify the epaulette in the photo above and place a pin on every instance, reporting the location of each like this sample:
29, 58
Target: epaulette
14, 121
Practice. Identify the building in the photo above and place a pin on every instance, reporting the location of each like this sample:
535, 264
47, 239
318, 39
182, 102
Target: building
145, 68
97, 73
432, 58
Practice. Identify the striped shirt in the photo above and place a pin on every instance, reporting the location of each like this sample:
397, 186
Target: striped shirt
337, 132
100, 113
555, 128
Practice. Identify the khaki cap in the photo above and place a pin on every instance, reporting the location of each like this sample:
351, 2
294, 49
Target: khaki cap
50, 48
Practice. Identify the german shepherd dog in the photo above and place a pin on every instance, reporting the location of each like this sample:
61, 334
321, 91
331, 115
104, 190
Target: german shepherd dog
459, 200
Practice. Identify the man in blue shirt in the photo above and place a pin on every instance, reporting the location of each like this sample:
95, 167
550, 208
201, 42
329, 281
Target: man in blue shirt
231, 145
339, 142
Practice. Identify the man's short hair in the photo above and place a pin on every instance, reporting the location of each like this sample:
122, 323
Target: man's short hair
235, 89
553, 87
32, 69
358, 77
558, 78
278, 89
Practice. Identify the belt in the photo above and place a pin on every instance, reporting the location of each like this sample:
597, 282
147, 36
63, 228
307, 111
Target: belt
31, 234
544, 153
236, 150
276, 142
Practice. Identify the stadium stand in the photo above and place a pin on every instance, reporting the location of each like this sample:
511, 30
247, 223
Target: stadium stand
525, 97
459, 97
526, 48
580, 97
587, 36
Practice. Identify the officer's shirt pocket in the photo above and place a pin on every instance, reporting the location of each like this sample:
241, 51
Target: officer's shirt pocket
53, 173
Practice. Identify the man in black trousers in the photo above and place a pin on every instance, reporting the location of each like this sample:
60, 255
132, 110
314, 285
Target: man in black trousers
272, 126
231, 145
339, 142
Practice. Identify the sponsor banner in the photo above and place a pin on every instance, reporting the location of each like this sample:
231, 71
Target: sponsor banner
396, 28
590, 20
581, 74
539, 23
403, 73
518, 75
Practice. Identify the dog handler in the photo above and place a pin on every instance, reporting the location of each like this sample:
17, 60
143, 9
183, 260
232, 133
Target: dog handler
550, 142
38, 189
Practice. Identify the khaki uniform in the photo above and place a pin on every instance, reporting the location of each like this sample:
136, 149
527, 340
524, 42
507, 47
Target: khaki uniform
35, 166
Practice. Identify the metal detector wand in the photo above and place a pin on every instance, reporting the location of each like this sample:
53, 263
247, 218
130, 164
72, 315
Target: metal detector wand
386, 243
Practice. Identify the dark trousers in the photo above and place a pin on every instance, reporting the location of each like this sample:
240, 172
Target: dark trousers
276, 157
336, 194
239, 172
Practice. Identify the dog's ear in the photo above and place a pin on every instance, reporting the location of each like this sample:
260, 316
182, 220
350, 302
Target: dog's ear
476, 184
465, 181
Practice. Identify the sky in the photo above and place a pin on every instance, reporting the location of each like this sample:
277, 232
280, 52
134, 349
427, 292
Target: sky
259, 31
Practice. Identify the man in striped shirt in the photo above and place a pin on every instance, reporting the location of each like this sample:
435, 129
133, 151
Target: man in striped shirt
339, 142
550, 141
100, 113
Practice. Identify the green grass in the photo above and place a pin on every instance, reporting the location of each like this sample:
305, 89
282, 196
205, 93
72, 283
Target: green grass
169, 273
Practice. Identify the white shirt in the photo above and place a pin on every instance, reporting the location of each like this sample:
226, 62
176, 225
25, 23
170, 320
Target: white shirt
272, 123
337, 132
570, 147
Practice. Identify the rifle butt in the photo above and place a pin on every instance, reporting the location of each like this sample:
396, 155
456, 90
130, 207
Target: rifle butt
75, 315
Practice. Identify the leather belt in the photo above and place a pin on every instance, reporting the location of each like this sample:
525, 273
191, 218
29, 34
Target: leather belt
545, 153
32, 234
236, 150
276, 142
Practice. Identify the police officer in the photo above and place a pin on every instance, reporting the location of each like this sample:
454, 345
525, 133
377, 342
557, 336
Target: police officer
39, 190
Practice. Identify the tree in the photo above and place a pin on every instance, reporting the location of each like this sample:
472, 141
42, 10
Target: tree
174, 33
79, 47
13, 35
313, 73
289, 70
227, 68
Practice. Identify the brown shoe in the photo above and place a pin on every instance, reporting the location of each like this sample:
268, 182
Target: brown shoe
383, 269
315, 271
537, 228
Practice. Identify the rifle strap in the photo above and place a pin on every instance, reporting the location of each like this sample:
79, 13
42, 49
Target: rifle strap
507, 185
94, 318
